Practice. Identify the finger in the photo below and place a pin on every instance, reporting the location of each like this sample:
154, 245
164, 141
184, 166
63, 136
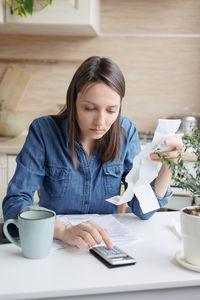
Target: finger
80, 237
105, 236
154, 157
174, 154
89, 233
88, 238
102, 232
168, 155
171, 154
91, 228
174, 142
79, 242
106, 239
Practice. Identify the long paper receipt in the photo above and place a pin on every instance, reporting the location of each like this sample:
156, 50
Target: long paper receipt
145, 170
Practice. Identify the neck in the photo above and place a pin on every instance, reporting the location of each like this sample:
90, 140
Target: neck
88, 146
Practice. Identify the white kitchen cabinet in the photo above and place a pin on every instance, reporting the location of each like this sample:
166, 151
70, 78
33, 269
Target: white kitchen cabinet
7, 169
62, 17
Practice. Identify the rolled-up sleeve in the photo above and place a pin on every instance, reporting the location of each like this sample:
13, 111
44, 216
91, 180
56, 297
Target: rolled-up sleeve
136, 209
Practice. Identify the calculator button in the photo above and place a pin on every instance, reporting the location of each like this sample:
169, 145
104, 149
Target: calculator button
115, 252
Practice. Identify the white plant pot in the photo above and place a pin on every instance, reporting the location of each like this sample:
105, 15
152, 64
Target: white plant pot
190, 228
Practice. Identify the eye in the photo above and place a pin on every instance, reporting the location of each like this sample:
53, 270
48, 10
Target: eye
89, 109
111, 111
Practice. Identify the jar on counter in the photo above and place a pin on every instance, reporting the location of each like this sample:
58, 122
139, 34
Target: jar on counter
188, 123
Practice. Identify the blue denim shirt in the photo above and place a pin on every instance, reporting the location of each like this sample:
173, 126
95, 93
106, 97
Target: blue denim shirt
44, 164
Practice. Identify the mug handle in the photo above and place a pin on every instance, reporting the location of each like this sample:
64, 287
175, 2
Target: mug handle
7, 234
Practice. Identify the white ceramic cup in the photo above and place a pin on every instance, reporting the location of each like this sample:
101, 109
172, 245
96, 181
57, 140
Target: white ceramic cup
190, 228
36, 228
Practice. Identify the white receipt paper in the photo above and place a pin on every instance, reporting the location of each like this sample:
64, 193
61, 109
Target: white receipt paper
144, 170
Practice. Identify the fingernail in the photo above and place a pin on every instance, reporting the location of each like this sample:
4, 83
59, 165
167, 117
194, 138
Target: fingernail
111, 246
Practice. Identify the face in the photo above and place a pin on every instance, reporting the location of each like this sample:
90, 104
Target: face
97, 108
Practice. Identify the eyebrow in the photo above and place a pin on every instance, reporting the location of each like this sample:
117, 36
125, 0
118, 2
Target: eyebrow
90, 102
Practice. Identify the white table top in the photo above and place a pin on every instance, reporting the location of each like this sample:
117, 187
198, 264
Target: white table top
72, 272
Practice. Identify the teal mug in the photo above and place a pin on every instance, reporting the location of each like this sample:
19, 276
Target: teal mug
36, 229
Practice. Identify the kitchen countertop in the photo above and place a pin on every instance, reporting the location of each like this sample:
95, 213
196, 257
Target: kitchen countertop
12, 145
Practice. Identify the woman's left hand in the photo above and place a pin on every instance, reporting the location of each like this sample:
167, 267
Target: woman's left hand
164, 176
174, 153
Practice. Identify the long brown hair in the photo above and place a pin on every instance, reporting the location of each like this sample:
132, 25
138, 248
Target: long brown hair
95, 69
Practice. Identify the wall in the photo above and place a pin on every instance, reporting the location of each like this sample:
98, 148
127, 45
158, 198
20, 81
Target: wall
156, 44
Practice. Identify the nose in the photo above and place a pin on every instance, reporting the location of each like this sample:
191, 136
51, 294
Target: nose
100, 119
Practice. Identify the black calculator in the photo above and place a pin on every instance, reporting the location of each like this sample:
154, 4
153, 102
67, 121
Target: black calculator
112, 257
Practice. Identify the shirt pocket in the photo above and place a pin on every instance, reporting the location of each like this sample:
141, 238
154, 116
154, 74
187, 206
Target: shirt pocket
112, 179
57, 180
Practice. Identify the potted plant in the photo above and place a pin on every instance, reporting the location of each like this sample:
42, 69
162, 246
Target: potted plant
188, 179
182, 176
22, 7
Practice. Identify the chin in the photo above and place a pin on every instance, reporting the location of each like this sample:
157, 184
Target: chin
97, 136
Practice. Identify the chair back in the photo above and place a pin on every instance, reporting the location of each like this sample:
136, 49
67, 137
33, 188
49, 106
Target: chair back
122, 207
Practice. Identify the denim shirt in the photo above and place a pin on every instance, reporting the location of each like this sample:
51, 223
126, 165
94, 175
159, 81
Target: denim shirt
45, 164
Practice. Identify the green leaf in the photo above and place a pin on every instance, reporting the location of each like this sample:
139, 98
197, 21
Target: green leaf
180, 174
20, 11
28, 6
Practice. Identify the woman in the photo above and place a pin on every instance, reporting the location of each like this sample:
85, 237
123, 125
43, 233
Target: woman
78, 158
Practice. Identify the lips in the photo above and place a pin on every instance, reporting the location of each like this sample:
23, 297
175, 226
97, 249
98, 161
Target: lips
96, 130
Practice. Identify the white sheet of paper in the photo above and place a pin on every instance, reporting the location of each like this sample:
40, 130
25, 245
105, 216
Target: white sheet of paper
118, 232
144, 170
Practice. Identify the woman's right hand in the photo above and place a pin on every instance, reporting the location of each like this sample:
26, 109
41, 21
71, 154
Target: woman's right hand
86, 234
